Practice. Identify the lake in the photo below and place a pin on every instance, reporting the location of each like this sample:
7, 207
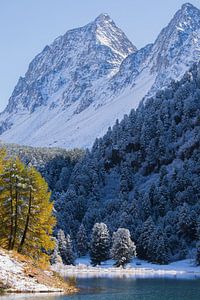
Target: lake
126, 289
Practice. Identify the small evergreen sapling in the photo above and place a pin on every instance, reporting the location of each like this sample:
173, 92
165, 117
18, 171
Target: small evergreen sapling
55, 256
65, 248
69, 250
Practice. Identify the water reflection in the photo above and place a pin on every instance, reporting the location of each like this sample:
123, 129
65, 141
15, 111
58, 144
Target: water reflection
125, 289
37, 296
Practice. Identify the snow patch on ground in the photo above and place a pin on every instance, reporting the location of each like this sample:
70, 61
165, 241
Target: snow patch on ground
12, 275
137, 268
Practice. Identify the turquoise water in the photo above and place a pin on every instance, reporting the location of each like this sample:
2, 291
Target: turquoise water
127, 289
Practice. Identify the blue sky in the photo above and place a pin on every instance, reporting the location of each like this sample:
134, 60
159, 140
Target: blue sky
26, 26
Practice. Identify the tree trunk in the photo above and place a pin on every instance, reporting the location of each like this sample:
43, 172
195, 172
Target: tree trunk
12, 217
16, 216
27, 222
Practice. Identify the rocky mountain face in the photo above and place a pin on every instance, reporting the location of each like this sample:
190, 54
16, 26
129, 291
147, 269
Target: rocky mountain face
173, 53
80, 84
177, 46
67, 70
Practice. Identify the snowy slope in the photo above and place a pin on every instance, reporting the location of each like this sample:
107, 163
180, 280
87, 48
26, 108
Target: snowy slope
79, 85
14, 277
177, 46
65, 129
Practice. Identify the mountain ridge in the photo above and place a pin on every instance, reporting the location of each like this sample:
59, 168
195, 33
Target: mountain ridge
89, 77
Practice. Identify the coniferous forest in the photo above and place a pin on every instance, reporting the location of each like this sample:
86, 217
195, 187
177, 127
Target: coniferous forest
100, 150
142, 176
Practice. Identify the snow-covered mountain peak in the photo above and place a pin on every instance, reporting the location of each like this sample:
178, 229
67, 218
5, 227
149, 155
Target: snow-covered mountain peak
108, 34
177, 46
185, 21
89, 77
187, 18
103, 18
188, 7
66, 70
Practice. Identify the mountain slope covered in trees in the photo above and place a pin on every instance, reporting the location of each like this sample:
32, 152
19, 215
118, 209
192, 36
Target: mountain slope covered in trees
143, 175
55, 164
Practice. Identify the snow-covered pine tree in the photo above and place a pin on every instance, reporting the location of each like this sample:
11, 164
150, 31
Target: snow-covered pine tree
81, 241
123, 248
65, 248
69, 251
100, 244
55, 256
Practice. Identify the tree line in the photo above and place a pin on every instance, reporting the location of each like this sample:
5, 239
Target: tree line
100, 246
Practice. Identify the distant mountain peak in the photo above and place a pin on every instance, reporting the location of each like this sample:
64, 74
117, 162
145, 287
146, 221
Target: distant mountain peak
64, 72
188, 10
188, 17
109, 34
104, 17
187, 6
177, 45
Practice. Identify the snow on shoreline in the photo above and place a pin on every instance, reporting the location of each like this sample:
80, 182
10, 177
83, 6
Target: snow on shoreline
13, 278
138, 269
